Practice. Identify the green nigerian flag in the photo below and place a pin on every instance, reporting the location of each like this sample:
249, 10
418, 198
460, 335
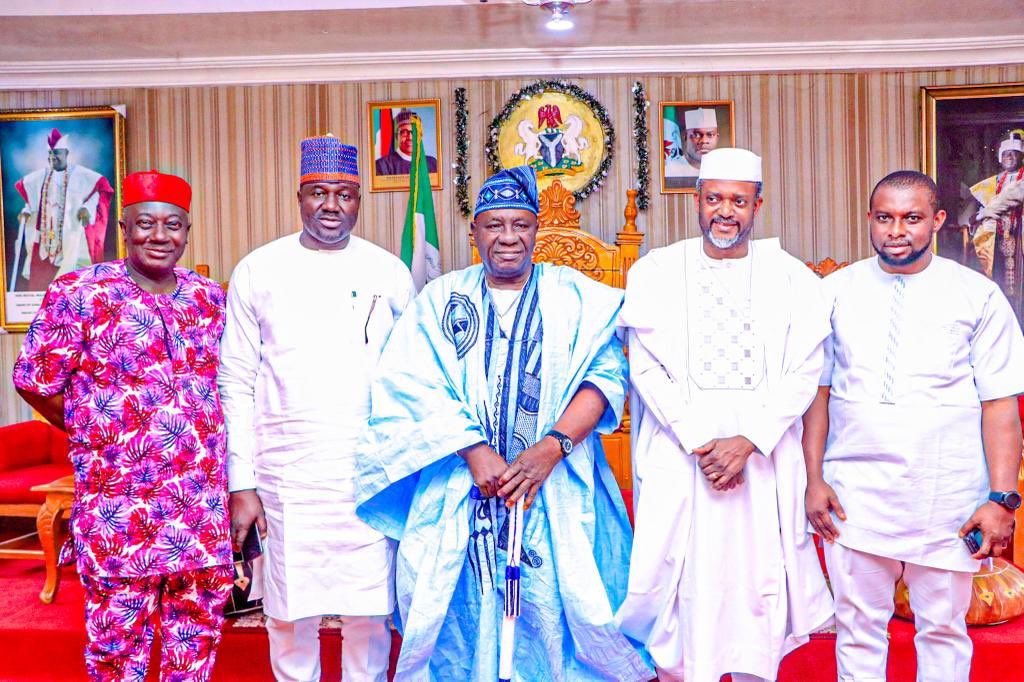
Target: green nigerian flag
419, 239
672, 145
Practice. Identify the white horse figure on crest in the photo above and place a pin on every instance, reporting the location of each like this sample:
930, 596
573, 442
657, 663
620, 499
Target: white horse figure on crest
572, 142
530, 145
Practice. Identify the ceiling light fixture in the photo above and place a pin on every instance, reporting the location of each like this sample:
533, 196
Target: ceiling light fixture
559, 9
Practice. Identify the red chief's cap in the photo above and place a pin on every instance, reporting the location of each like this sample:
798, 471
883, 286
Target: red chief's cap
152, 185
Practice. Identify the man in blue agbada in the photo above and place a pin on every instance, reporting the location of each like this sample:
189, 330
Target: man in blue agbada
493, 386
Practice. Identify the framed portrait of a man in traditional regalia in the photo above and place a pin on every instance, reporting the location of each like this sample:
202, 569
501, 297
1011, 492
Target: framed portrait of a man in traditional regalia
60, 173
973, 147
391, 143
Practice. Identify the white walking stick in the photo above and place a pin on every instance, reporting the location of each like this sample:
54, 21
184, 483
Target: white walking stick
508, 623
19, 245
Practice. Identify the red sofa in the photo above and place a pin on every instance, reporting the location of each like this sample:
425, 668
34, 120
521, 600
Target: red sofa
31, 453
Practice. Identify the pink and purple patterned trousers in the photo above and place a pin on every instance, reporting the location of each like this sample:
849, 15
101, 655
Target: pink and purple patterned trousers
120, 621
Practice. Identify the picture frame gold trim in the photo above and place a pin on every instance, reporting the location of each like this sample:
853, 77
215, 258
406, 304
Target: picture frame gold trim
965, 246
400, 183
119, 163
932, 94
730, 104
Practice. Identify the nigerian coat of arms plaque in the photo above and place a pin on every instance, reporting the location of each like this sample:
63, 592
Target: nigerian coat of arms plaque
559, 134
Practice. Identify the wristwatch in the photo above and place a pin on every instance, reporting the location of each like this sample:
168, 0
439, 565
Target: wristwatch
565, 442
1010, 500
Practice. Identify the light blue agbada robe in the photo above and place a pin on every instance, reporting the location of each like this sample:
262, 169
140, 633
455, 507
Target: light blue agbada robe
433, 396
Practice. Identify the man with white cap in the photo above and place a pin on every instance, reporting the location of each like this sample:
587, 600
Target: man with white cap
308, 315
724, 577
701, 138
64, 221
917, 401
997, 231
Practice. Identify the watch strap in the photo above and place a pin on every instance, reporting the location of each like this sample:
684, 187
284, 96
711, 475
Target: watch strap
562, 439
1001, 498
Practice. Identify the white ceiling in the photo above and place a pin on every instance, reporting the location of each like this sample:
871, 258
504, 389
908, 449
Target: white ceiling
43, 8
58, 43
469, 24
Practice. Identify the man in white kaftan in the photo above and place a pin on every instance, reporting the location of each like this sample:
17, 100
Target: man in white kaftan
724, 577
308, 315
64, 220
918, 405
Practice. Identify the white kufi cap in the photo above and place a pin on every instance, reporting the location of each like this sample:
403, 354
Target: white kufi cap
1011, 144
730, 163
62, 143
700, 118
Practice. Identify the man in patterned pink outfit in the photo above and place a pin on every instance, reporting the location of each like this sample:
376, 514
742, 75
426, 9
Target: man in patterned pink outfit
123, 356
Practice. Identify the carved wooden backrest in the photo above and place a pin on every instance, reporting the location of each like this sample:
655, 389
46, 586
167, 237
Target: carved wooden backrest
561, 240
826, 267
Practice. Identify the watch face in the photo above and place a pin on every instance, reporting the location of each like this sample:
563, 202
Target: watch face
1012, 500
566, 445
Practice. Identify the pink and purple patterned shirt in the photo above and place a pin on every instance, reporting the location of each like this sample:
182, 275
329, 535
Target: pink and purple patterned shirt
146, 434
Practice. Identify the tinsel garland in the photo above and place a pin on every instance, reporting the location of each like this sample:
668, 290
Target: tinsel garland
461, 164
641, 141
566, 88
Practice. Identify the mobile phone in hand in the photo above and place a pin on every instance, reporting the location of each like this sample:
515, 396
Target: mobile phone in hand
974, 540
252, 546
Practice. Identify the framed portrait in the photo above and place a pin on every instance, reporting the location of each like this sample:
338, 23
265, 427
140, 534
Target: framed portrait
689, 130
973, 147
391, 142
61, 173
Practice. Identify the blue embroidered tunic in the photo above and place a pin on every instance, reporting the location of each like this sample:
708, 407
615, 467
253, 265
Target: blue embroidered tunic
450, 378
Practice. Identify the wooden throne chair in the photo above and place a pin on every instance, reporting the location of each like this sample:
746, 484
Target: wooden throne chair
562, 241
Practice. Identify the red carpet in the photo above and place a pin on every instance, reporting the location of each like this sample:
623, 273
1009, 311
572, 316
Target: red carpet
43, 643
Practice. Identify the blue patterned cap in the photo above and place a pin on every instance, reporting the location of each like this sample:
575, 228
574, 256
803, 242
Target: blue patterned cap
511, 188
326, 159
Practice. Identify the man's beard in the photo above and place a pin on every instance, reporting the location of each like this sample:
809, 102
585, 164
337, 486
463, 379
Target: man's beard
912, 257
718, 242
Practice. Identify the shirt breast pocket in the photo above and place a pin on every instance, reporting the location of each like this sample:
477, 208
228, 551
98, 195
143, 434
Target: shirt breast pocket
956, 338
936, 350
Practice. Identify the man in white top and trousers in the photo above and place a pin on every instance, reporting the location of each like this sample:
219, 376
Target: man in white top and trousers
923, 436
725, 347
308, 315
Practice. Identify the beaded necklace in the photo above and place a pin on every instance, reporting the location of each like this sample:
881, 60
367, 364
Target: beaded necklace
49, 246
1002, 179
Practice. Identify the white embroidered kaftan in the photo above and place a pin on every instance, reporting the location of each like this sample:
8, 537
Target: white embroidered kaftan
304, 331
722, 581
